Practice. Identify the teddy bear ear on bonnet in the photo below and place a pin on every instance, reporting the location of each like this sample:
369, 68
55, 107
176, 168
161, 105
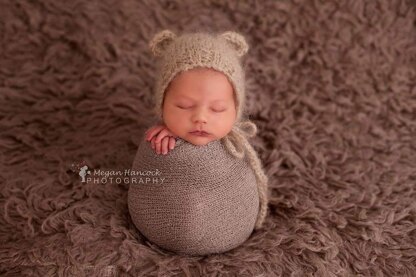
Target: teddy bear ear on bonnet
237, 41
163, 39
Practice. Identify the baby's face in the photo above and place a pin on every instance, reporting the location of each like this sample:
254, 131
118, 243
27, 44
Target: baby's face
199, 99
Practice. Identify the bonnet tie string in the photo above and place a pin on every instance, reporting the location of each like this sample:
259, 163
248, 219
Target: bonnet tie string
237, 144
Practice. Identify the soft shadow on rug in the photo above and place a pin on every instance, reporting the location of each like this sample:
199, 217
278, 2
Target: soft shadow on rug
331, 86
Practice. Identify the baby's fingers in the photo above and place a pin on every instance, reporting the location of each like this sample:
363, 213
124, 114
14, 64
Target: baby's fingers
162, 134
153, 143
153, 131
158, 146
165, 145
172, 142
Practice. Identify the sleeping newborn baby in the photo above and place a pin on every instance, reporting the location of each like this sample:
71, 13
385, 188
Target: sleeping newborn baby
214, 192
198, 107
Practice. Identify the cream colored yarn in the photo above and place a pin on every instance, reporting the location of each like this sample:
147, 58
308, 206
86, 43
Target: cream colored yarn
221, 52
188, 51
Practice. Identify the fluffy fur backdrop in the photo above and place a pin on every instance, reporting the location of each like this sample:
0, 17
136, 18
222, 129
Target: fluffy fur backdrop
330, 84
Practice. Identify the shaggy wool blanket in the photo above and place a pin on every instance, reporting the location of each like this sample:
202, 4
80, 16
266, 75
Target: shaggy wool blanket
331, 86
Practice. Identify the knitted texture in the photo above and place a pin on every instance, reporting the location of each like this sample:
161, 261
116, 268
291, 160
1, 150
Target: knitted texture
207, 203
181, 53
220, 52
238, 146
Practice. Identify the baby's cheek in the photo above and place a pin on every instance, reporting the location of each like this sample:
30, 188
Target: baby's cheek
229, 119
225, 124
175, 126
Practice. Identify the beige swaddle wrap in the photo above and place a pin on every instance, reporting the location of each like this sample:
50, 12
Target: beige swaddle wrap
205, 200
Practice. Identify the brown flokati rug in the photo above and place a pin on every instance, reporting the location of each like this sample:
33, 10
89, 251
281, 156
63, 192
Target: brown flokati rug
331, 86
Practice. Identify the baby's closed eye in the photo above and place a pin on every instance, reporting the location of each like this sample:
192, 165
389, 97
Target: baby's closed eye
214, 109
218, 109
183, 107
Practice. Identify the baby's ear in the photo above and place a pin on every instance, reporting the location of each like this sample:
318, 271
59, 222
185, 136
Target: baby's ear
161, 41
237, 41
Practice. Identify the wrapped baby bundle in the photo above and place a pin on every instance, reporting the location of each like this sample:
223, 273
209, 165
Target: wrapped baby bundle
201, 199
204, 199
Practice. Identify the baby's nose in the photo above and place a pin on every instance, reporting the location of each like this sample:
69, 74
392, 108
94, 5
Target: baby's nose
200, 120
200, 116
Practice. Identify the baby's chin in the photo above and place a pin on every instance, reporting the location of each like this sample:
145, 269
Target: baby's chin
199, 141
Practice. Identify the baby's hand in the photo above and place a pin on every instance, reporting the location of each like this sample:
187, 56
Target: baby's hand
161, 138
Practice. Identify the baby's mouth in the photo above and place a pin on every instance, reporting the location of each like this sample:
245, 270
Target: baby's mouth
200, 133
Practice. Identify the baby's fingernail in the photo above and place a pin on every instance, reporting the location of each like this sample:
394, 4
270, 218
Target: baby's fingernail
171, 147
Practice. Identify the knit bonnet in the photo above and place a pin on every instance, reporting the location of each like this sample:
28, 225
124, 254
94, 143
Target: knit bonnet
221, 52
181, 53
